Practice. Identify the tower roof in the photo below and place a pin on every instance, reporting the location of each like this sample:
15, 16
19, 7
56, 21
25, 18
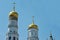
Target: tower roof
13, 13
33, 25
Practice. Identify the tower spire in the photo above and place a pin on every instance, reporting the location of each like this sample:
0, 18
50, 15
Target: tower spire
51, 38
50, 34
33, 19
14, 6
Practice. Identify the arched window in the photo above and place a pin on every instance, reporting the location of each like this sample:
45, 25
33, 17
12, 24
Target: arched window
17, 38
13, 38
9, 38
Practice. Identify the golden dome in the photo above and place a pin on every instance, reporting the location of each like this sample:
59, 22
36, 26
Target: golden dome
33, 26
13, 13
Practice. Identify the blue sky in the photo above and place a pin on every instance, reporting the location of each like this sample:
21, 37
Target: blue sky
46, 13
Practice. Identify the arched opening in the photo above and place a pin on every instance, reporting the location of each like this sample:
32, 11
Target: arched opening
17, 38
13, 38
9, 38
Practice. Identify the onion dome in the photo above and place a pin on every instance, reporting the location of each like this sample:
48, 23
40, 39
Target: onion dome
33, 25
14, 14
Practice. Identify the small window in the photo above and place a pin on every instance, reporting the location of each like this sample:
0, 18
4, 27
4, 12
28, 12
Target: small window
13, 38
14, 31
17, 38
9, 38
10, 31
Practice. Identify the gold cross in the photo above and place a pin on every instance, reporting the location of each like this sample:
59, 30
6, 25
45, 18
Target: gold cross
14, 6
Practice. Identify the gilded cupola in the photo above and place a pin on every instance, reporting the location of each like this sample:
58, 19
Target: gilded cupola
33, 25
13, 13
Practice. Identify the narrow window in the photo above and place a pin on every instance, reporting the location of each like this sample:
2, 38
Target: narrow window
9, 38
13, 38
17, 38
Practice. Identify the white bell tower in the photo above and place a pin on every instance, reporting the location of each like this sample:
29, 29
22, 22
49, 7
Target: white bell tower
33, 31
12, 33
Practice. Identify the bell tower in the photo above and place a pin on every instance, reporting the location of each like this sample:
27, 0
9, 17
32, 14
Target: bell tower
12, 33
33, 31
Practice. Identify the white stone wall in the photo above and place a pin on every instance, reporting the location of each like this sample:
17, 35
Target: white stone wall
32, 32
12, 31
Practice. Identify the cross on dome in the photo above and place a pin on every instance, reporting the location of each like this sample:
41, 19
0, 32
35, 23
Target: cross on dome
14, 6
